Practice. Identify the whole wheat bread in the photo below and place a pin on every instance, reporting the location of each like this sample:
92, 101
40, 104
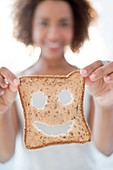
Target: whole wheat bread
67, 119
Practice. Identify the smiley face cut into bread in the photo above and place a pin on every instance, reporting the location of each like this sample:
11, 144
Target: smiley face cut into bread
53, 110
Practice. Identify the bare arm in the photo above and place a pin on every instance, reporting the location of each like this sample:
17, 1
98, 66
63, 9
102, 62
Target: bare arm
9, 123
99, 78
102, 129
9, 126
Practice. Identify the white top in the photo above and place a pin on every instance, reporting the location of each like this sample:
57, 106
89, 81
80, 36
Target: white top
58, 157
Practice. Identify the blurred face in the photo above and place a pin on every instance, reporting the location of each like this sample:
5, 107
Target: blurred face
52, 27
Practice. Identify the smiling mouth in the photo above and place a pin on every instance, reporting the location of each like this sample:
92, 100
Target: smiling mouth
53, 130
54, 45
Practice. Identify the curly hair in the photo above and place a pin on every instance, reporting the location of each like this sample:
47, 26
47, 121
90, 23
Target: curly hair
22, 14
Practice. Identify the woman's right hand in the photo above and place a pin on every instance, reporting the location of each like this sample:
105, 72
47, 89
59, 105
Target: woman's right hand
8, 89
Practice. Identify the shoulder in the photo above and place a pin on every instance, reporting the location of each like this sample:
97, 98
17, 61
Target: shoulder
72, 68
28, 71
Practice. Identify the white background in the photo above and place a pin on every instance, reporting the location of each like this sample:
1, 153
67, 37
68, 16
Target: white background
16, 57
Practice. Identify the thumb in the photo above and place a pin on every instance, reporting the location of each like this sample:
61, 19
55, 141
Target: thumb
88, 81
10, 94
13, 88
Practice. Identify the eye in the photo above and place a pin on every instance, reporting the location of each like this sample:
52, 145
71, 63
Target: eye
44, 23
38, 100
64, 24
65, 97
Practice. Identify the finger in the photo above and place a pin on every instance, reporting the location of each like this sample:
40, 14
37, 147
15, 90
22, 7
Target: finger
7, 74
105, 62
102, 71
1, 91
12, 88
86, 71
109, 78
3, 84
10, 94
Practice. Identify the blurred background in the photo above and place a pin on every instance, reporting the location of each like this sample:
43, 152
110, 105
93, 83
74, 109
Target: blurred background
17, 57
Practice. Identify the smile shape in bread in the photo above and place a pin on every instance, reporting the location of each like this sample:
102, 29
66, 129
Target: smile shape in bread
53, 130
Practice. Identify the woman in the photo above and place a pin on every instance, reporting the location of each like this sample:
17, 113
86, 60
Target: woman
52, 26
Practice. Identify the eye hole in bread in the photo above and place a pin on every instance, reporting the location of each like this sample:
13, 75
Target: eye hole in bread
38, 100
58, 117
65, 97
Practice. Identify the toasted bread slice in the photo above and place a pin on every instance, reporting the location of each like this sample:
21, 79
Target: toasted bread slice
53, 110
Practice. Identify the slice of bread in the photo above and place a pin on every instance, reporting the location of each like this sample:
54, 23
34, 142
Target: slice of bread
53, 110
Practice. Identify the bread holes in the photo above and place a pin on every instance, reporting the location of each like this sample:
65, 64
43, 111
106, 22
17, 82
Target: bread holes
65, 97
38, 100
54, 130
53, 121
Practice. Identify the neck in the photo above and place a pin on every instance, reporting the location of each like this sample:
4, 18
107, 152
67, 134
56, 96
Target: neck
52, 63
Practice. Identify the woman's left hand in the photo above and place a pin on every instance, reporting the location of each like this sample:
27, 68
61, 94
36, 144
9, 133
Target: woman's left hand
99, 78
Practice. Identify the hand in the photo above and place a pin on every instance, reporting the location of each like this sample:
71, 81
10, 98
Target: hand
8, 88
99, 78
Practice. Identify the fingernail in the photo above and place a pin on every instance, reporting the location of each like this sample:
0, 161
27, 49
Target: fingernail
83, 72
92, 77
16, 82
5, 86
107, 78
6, 81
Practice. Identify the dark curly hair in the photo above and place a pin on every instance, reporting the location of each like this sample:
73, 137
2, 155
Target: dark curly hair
23, 11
